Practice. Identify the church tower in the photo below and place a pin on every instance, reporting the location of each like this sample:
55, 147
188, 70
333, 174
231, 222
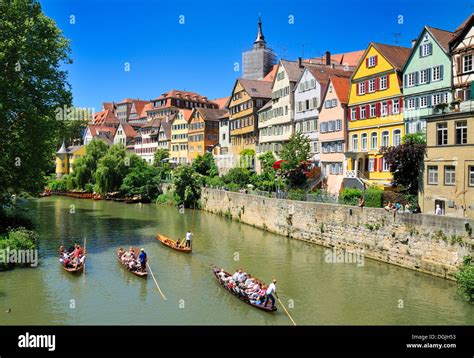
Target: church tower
258, 61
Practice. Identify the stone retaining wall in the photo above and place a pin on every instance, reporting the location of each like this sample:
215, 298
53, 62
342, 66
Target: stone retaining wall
426, 243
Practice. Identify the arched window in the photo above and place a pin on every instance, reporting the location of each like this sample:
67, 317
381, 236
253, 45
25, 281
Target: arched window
355, 142
374, 143
385, 138
397, 137
363, 141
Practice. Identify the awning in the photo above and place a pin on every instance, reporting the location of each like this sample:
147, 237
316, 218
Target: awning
277, 164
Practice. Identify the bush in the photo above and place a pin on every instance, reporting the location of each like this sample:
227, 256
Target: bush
465, 279
168, 198
239, 176
58, 184
17, 239
351, 196
373, 198
297, 194
233, 187
214, 182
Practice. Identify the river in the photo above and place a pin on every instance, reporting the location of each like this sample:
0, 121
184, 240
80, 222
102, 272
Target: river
316, 292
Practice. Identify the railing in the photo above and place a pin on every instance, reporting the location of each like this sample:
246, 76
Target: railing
350, 174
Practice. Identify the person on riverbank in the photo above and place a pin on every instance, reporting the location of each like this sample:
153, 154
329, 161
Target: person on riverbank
142, 258
269, 294
188, 238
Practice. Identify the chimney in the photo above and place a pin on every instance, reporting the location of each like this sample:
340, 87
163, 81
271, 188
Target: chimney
299, 62
328, 58
413, 43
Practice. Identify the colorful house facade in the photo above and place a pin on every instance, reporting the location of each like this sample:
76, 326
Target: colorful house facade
179, 136
248, 96
308, 94
427, 78
333, 133
375, 116
65, 158
203, 131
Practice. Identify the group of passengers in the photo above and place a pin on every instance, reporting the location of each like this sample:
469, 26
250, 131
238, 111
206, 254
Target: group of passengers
248, 287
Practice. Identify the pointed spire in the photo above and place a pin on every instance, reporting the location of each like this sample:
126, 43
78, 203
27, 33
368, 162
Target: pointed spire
63, 149
260, 40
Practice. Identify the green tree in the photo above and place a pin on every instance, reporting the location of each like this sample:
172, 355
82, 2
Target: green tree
294, 154
267, 160
160, 155
187, 185
112, 169
143, 180
205, 165
84, 168
406, 162
33, 83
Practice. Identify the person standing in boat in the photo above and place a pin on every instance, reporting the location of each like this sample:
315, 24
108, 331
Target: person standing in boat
142, 258
188, 238
269, 294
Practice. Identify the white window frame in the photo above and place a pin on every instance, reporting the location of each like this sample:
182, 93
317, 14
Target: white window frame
372, 147
436, 74
383, 82
433, 175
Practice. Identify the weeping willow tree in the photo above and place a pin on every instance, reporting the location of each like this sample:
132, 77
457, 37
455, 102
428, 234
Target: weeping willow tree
84, 168
112, 169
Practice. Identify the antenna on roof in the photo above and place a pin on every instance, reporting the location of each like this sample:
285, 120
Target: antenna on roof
396, 36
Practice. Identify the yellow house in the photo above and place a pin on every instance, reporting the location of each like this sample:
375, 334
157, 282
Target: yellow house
65, 158
248, 96
179, 136
375, 116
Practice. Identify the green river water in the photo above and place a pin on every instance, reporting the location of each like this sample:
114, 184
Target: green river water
316, 292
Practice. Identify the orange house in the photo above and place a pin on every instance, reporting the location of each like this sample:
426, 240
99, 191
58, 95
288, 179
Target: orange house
203, 131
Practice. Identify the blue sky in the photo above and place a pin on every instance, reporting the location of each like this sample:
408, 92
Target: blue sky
200, 54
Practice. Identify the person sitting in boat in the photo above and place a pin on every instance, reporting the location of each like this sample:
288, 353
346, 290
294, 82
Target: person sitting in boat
120, 252
132, 253
261, 294
235, 276
142, 258
132, 265
222, 275
67, 262
249, 281
177, 243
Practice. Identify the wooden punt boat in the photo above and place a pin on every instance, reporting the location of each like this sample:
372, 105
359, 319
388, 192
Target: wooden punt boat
268, 308
172, 244
133, 200
77, 270
136, 273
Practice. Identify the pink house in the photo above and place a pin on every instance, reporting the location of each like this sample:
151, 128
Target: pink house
333, 133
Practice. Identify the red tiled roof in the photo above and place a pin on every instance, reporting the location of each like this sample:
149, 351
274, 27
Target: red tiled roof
128, 130
212, 114
186, 95
139, 104
396, 55
342, 86
221, 102
270, 76
148, 106
257, 88
105, 116
442, 36
348, 58
96, 129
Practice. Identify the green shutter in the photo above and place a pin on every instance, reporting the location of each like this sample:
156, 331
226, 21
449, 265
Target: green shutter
472, 92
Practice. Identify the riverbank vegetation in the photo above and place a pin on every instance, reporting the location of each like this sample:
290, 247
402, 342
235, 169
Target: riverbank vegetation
465, 279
